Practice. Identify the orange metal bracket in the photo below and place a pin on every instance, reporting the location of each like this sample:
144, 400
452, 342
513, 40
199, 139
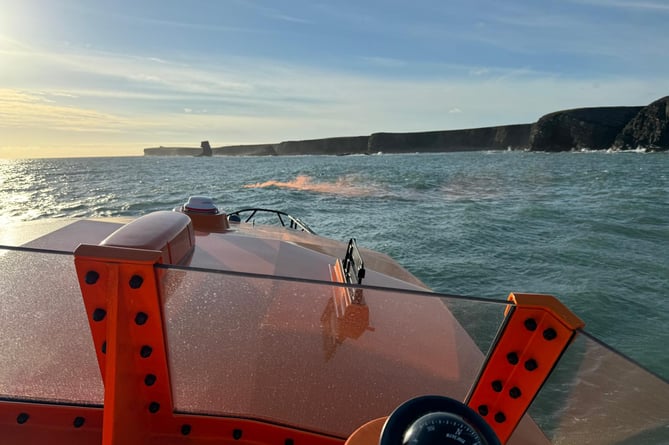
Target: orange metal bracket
121, 290
41, 423
536, 331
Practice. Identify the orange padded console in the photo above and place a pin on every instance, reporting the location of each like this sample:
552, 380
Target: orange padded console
169, 232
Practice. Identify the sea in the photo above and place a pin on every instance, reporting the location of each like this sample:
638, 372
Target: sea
591, 228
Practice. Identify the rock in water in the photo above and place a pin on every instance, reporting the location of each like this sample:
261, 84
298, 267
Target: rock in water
206, 148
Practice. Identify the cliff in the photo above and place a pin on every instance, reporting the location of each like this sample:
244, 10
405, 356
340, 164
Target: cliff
488, 138
172, 151
245, 150
328, 146
649, 128
598, 128
583, 128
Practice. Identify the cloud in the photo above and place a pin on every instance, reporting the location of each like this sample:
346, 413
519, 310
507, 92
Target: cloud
19, 109
291, 19
92, 96
479, 71
273, 13
638, 5
574, 36
385, 62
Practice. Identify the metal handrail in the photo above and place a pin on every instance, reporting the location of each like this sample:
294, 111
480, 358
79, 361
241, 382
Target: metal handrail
293, 222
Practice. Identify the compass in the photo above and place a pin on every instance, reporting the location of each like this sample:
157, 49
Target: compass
436, 420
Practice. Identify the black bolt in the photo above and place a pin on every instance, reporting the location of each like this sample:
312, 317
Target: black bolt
550, 334
288, 442
497, 386
237, 434
99, 314
483, 410
78, 422
512, 357
500, 417
185, 429
514, 392
136, 282
146, 351
22, 418
141, 318
91, 277
103, 348
154, 407
531, 364
150, 379
530, 324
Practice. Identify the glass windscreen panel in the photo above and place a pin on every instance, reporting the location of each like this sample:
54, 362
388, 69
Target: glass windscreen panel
597, 396
312, 355
46, 348
300, 353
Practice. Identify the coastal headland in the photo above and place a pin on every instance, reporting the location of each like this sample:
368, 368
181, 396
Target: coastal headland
598, 128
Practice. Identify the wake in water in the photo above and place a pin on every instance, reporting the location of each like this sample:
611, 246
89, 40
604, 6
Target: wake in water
354, 187
343, 186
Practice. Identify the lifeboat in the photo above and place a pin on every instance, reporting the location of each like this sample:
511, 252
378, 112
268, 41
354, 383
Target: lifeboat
197, 326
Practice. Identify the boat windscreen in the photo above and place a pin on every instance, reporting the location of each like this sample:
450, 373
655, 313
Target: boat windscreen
313, 355
294, 353
46, 349
299, 353
597, 396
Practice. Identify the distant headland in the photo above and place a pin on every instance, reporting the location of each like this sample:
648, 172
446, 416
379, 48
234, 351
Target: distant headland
599, 128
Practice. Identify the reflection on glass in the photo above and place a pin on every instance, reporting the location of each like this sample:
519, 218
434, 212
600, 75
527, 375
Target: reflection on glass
346, 315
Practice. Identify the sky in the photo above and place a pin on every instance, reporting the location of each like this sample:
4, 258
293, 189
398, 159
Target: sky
109, 78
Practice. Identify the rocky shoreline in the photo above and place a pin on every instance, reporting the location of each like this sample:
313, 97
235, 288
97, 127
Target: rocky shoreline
600, 128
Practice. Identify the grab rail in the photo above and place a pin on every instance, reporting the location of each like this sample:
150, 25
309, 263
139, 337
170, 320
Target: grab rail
293, 222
